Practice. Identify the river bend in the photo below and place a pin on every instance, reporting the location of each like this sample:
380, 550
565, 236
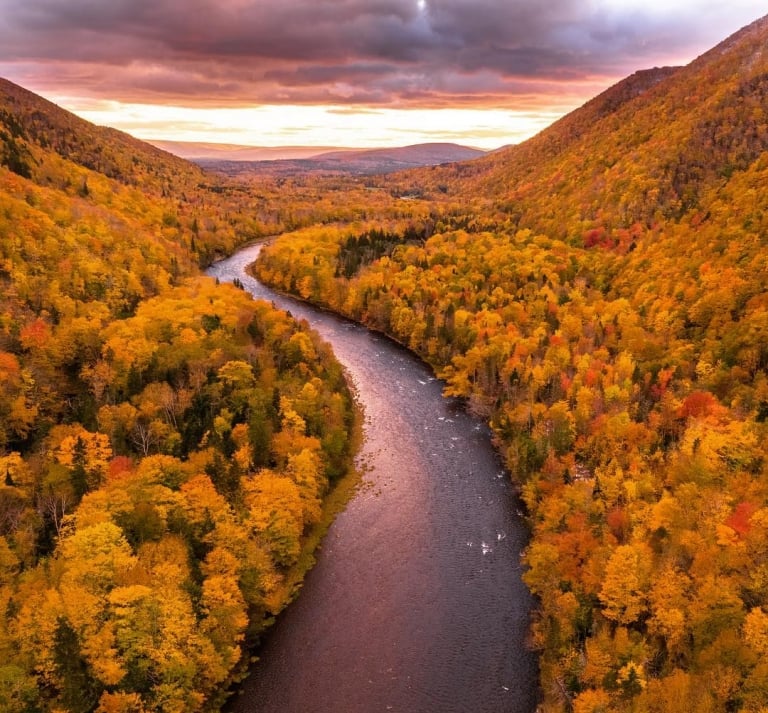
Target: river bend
416, 603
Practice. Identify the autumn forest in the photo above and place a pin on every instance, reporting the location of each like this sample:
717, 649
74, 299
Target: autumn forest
597, 294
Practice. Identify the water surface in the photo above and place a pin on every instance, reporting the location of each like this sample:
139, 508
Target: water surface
416, 604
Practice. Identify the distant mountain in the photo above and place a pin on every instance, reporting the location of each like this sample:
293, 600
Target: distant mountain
404, 156
345, 161
417, 154
193, 150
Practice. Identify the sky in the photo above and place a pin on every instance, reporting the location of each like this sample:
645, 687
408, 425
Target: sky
346, 72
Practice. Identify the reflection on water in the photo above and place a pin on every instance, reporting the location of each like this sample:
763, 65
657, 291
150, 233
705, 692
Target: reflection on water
416, 603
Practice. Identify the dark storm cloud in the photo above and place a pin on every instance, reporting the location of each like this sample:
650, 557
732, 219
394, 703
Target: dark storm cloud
327, 51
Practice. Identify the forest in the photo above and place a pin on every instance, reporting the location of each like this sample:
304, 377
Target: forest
166, 442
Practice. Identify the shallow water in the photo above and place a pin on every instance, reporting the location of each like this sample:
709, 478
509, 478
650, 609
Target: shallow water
416, 604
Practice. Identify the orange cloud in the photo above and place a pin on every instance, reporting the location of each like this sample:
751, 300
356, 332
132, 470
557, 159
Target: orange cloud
358, 52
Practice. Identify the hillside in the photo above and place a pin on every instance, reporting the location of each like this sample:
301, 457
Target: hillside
647, 149
165, 441
33, 124
99, 166
598, 292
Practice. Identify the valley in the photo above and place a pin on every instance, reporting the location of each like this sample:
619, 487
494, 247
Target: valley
592, 302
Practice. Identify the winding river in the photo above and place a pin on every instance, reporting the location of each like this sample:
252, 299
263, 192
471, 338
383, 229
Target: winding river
416, 604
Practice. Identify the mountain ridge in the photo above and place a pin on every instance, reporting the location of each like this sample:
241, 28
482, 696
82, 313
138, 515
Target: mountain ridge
656, 133
413, 154
435, 152
348, 161
46, 125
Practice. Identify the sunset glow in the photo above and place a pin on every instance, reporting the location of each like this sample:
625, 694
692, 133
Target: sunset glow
356, 73
272, 125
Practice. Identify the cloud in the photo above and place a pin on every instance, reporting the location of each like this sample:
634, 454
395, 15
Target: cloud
348, 52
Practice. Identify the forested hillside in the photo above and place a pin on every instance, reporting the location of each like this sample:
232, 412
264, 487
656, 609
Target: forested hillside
165, 441
599, 294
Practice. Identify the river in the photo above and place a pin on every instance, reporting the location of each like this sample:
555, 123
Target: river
416, 603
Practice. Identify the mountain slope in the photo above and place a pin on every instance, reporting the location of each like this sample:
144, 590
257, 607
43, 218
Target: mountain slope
646, 149
599, 293
55, 149
137, 561
41, 124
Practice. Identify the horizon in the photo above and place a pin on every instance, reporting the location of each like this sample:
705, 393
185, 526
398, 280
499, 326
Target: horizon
319, 147
352, 74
